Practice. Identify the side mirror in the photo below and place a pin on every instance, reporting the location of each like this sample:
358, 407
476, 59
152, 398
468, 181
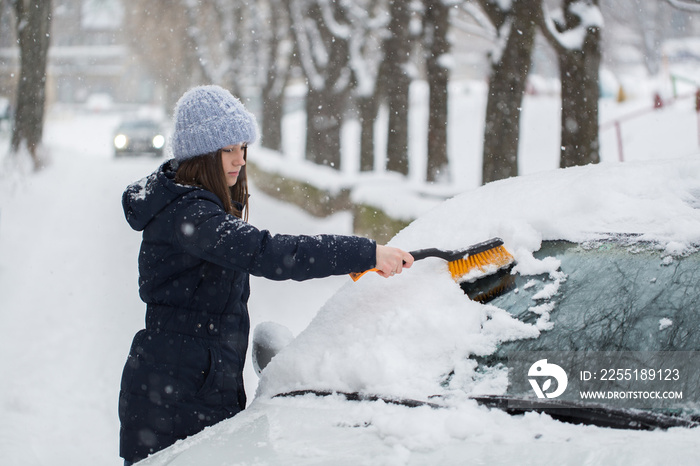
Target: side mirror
269, 339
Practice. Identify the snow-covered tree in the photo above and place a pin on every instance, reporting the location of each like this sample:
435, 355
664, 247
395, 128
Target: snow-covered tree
217, 29
515, 24
637, 30
155, 30
322, 40
369, 20
395, 78
274, 47
575, 35
33, 23
436, 23
641, 27
189, 42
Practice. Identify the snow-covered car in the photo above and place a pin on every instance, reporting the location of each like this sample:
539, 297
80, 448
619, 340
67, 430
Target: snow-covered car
139, 136
603, 299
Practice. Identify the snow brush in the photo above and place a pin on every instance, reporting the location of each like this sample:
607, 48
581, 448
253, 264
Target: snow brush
487, 258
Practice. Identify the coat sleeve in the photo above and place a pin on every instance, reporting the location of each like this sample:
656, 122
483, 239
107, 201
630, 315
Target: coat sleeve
206, 231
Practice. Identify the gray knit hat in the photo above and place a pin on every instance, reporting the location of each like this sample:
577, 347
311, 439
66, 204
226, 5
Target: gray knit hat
208, 118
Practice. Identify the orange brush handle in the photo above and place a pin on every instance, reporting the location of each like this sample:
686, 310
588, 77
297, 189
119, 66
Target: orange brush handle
460, 262
417, 255
357, 275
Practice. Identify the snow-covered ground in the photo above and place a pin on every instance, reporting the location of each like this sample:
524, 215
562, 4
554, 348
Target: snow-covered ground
68, 280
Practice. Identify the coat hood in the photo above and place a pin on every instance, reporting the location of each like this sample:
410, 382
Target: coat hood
144, 199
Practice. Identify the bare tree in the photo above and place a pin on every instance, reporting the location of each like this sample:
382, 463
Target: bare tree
190, 42
33, 23
510, 65
214, 41
155, 29
215, 31
576, 38
646, 25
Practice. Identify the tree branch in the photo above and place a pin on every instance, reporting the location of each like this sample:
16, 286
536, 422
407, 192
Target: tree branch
570, 35
549, 29
484, 26
692, 6
494, 12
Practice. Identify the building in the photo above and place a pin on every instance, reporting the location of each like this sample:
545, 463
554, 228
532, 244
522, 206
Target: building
88, 55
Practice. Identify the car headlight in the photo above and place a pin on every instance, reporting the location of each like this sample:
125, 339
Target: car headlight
120, 141
158, 141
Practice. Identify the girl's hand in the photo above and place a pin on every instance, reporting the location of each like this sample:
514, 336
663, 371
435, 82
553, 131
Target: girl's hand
391, 261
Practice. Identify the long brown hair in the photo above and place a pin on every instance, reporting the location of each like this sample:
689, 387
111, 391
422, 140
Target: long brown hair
206, 171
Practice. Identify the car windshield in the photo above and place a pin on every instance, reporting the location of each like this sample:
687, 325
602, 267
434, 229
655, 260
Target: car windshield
624, 313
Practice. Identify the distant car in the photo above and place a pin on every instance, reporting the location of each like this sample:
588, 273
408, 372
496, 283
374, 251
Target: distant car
139, 137
586, 352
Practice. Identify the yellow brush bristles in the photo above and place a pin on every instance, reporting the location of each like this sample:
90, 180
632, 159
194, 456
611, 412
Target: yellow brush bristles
497, 258
483, 259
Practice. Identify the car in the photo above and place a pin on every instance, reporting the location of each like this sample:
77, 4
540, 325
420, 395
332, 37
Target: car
139, 136
584, 352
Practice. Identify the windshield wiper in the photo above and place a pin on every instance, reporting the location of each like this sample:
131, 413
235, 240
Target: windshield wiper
565, 411
356, 396
587, 413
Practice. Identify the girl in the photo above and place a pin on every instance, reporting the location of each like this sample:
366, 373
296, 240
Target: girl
184, 370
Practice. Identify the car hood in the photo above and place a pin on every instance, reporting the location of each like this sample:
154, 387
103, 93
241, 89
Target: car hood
311, 430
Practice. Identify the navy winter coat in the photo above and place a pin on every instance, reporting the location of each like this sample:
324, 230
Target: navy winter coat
184, 370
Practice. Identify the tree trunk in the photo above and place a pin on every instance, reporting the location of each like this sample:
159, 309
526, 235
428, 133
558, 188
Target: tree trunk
277, 60
580, 94
324, 57
436, 21
506, 91
367, 107
395, 83
272, 112
33, 27
324, 111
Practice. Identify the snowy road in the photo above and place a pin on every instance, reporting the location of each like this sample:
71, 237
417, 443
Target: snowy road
68, 294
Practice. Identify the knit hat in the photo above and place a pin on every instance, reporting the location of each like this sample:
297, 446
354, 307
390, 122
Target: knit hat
208, 118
